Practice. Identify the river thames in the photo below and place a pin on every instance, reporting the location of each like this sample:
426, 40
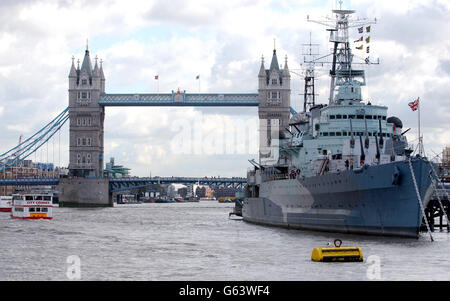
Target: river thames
197, 241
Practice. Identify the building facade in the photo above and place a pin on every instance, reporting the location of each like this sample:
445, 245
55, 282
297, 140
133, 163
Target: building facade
27, 169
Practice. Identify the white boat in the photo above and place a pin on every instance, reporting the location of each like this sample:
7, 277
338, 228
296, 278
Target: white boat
32, 206
5, 203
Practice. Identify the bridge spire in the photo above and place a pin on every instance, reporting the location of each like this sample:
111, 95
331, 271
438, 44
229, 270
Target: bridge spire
274, 64
286, 68
87, 64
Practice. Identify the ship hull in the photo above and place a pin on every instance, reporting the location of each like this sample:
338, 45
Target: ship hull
368, 201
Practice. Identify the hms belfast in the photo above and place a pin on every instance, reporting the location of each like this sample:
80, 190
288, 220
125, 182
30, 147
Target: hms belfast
342, 167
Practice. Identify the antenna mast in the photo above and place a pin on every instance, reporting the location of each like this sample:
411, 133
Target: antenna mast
342, 57
309, 96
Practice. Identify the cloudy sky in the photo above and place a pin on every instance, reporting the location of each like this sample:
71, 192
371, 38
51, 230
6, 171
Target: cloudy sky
222, 41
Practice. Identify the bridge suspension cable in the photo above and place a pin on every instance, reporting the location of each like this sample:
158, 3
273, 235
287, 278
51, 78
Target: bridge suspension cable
29, 146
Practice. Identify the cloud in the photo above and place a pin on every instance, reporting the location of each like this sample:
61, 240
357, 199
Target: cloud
223, 42
445, 66
197, 13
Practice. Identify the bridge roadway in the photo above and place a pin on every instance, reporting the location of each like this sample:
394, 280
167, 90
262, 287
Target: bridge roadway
181, 99
116, 185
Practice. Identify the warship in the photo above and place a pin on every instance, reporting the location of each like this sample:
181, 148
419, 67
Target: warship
344, 166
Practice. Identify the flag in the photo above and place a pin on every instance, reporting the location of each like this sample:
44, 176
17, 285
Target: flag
361, 29
198, 77
359, 40
414, 105
360, 47
156, 77
368, 29
368, 40
368, 49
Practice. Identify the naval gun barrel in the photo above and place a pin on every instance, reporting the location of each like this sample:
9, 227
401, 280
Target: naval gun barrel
378, 156
381, 134
352, 139
366, 141
363, 155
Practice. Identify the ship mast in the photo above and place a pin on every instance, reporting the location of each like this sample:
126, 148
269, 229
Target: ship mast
309, 96
341, 67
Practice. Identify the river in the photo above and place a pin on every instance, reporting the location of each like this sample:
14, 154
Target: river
197, 241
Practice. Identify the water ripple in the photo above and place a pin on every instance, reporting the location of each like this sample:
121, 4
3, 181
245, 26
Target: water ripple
197, 241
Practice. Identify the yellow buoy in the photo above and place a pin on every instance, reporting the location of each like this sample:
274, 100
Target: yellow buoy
337, 253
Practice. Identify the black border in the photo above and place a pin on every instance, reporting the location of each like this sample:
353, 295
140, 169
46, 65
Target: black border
167, 290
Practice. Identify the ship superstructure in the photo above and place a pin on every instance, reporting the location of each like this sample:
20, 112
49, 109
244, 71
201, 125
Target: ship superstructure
343, 166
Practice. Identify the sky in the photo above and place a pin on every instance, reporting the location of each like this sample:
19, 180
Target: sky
223, 42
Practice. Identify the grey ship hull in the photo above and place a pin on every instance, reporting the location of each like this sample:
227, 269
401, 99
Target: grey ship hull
361, 201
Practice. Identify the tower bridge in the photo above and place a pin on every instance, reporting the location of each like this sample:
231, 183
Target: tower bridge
86, 185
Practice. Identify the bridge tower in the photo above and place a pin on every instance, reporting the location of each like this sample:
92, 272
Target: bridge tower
86, 186
274, 90
86, 118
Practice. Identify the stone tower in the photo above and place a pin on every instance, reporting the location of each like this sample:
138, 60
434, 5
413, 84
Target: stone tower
274, 90
86, 118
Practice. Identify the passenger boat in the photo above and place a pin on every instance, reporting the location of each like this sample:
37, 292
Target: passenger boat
5, 203
32, 206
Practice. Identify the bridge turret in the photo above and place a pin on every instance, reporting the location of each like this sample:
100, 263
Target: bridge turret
286, 75
73, 75
262, 74
102, 78
96, 77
